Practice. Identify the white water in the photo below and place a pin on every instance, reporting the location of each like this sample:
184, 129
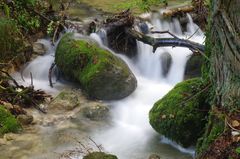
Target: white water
131, 133
131, 136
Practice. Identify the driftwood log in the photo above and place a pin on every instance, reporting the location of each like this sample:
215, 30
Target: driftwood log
164, 42
121, 35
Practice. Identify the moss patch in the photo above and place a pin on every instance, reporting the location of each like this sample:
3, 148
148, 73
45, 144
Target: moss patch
115, 6
8, 122
181, 114
99, 155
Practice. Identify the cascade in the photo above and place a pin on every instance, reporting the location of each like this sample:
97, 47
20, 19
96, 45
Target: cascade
130, 136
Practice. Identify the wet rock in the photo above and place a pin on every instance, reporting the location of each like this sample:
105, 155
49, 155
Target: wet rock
143, 27
66, 100
193, 67
166, 61
39, 48
96, 112
154, 156
99, 155
100, 73
25, 119
9, 137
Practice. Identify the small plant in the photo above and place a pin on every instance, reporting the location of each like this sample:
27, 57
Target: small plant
238, 150
50, 28
8, 122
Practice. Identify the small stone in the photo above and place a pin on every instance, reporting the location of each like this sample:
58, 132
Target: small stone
154, 156
9, 137
235, 123
164, 117
98, 112
39, 48
166, 62
235, 133
25, 119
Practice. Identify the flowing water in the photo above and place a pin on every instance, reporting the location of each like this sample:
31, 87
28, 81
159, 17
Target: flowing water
129, 136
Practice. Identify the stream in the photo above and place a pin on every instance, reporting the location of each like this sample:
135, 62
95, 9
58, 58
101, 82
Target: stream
128, 134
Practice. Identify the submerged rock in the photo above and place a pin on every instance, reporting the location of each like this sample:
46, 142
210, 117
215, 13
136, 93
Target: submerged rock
67, 100
101, 74
166, 61
181, 114
39, 48
96, 112
193, 67
99, 155
154, 156
25, 119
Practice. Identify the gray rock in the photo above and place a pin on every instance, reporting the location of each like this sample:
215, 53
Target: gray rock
154, 156
39, 48
166, 61
96, 112
25, 119
66, 100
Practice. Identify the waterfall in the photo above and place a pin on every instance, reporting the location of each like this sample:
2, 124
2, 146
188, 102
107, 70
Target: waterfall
130, 135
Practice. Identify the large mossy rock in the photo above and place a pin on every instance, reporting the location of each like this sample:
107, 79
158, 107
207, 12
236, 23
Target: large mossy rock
101, 74
8, 123
99, 155
181, 114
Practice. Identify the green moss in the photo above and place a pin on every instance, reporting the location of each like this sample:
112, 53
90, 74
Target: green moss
8, 122
84, 61
99, 155
178, 117
214, 128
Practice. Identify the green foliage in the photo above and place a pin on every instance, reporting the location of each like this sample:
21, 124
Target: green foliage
11, 40
178, 117
238, 150
50, 28
141, 4
20, 11
24, 18
8, 122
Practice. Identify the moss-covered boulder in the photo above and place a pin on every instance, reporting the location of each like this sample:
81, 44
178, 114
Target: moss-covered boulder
99, 155
8, 123
101, 74
181, 114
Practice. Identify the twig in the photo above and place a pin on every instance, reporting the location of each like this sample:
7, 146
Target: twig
31, 79
165, 32
193, 34
231, 126
193, 96
50, 74
12, 79
98, 146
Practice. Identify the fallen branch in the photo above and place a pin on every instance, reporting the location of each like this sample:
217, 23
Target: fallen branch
19, 95
163, 42
50, 74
